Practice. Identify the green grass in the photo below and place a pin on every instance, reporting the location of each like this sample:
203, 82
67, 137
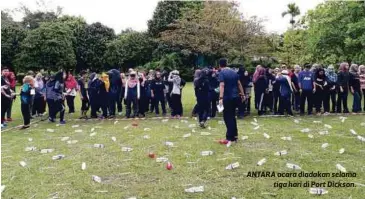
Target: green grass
128, 174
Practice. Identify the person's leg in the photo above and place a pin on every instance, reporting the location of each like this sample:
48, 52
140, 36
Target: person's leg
8, 112
173, 105
333, 100
326, 102
303, 98
214, 105
156, 102
4, 107
282, 105
179, 106
355, 105
345, 107
363, 92
26, 114
288, 107
72, 104
339, 102
62, 109
248, 107
228, 116
163, 106
261, 104
51, 109
128, 108
135, 107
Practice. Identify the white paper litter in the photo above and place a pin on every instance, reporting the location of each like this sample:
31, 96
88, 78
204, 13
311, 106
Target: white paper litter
353, 132
266, 136
126, 127
220, 108
341, 168
72, 141
78, 131
317, 122
195, 189
65, 138
176, 127
310, 135
23, 164
58, 157
362, 124
233, 166
99, 146
257, 127
206, 153
169, 144
92, 129
30, 139
114, 139
162, 159
261, 162
32, 148
75, 126
183, 121
165, 120
146, 129
254, 123
328, 126
193, 131
324, 145
116, 122
187, 135
2, 188
296, 121
286, 138
96, 179
92, 134
323, 133
254, 119
361, 138
280, 153
83, 166
146, 137
192, 125
47, 150
127, 149
317, 191
205, 133
306, 130
292, 166
244, 137
341, 151
50, 130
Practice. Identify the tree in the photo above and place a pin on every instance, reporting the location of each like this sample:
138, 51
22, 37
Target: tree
94, 45
47, 47
293, 11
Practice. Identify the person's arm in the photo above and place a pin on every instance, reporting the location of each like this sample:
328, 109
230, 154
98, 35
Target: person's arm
170, 79
242, 93
152, 90
221, 92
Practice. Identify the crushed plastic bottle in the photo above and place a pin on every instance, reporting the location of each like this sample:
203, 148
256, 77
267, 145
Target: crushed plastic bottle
78, 131
47, 150
92, 129
162, 159
324, 145
92, 134
266, 136
323, 132
361, 138
169, 144
187, 135
2, 188
165, 120
280, 153
23, 164
244, 137
257, 127
198, 189
32, 148
254, 119
317, 122
353, 132
75, 126
58, 157
317, 191
205, 133
296, 121
206, 153
146, 129
96, 178
83, 166
50, 130
114, 139
192, 126
261, 162
286, 138
233, 166
310, 135
146, 137
306, 130
328, 126
293, 166
341, 168
116, 122
65, 138
341, 151
72, 141
127, 149
254, 123
30, 139
99, 146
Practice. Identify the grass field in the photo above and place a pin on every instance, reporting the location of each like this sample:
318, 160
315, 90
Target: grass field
134, 174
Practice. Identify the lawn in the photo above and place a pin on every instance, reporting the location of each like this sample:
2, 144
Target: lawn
134, 174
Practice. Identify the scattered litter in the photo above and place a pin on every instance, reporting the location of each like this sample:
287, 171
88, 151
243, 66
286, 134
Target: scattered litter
192, 125
317, 122
126, 127
341, 168
195, 189
72, 141
132, 198
310, 135
30, 139
65, 138
83, 166
206, 153
254, 119
306, 130
323, 132
254, 123
50, 130
151, 155
146, 129
93, 129
47, 150
146, 137
169, 166
2, 188
127, 149
187, 135
92, 134
193, 131
362, 139
78, 131
362, 124
296, 121
162, 159
58, 157
341, 151
280, 153
353, 132
176, 127
169, 144
23, 164
99, 146
325, 145
116, 122
328, 126
343, 119
244, 137
266, 136
317, 191
233, 166
184, 121
261, 162
286, 138
165, 120
359, 184
292, 166
32, 148
96, 179
209, 128
75, 126
205, 133
257, 127
114, 139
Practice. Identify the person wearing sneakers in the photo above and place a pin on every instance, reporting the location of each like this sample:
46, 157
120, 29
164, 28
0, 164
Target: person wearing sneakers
230, 96
286, 90
201, 86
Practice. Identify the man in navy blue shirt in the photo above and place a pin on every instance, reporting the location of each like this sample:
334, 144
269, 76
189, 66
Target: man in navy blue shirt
307, 89
230, 96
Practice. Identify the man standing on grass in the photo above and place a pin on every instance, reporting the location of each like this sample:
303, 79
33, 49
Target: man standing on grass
230, 96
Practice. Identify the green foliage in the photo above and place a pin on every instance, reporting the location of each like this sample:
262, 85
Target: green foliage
47, 47
33, 19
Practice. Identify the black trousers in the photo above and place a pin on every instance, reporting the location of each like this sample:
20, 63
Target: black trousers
38, 106
320, 101
142, 105
160, 99
259, 102
70, 103
5, 105
213, 98
202, 109
307, 95
151, 104
285, 105
120, 101
25, 108
331, 97
85, 104
363, 92
296, 101
269, 97
176, 105
129, 103
55, 106
342, 100
229, 116
276, 96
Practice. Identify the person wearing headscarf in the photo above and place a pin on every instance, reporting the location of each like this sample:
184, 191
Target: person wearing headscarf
176, 105
158, 93
195, 81
286, 90
354, 83
343, 87
12, 84
54, 95
114, 91
122, 89
132, 94
150, 100
94, 85
202, 96
39, 102
103, 97
6, 95
306, 79
321, 91
331, 78
70, 86
268, 96
260, 85
296, 94
142, 102
85, 103
362, 81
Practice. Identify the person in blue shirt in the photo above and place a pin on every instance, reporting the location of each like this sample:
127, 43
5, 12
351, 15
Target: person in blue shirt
25, 99
306, 87
55, 98
231, 94
286, 91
